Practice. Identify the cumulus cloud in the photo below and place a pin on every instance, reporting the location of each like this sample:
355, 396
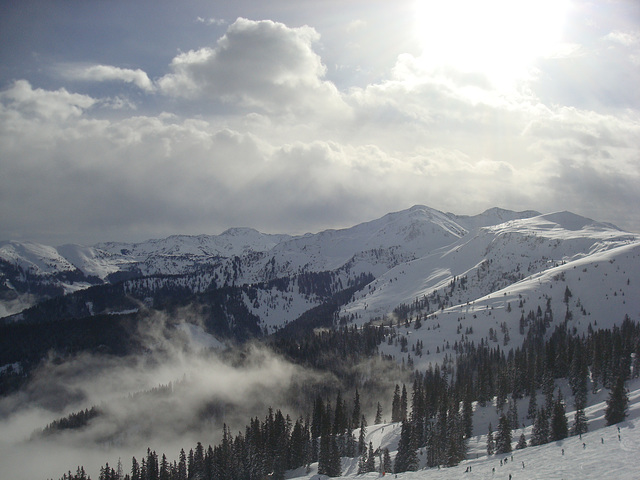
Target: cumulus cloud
105, 73
261, 64
48, 105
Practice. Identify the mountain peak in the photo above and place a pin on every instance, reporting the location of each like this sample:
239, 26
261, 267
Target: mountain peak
493, 216
571, 221
239, 231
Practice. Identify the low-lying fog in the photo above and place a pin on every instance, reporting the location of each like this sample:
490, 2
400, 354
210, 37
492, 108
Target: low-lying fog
170, 397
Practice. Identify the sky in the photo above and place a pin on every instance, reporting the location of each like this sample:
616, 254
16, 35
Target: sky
124, 121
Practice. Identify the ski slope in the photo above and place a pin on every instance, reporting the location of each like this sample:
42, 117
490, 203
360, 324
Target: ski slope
603, 455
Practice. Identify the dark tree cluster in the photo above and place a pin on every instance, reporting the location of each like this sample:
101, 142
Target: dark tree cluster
72, 421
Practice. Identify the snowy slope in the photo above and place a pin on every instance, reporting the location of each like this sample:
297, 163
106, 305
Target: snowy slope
94, 261
181, 254
491, 258
603, 455
605, 287
34, 258
415, 231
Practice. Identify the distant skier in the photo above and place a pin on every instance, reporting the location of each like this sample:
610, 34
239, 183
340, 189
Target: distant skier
523, 465
563, 452
601, 439
584, 445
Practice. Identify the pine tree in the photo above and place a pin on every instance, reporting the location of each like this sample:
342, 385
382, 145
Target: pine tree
324, 455
298, 445
135, 470
335, 462
386, 461
540, 431
533, 406
356, 414
491, 446
578, 382
503, 437
522, 442
456, 439
559, 426
362, 463
404, 403
418, 411
329, 461
370, 465
467, 416
548, 387
580, 424
396, 414
378, 418
362, 445
164, 468
119, 471
198, 458
406, 458
339, 417
513, 413
617, 403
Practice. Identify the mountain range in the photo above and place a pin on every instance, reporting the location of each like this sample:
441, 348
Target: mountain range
394, 263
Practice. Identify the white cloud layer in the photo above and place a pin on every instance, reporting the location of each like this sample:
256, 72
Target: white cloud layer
105, 73
252, 133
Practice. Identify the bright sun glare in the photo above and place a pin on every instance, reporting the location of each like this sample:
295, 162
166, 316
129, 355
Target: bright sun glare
498, 37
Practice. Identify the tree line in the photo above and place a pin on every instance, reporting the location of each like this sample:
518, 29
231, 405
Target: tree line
436, 414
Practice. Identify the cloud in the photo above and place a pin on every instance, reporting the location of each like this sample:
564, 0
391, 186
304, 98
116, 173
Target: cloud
355, 25
625, 38
261, 64
56, 105
211, 21
168, 398
249, 132
106, 73
415, 138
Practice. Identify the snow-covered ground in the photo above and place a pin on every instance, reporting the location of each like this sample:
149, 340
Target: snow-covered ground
599, 454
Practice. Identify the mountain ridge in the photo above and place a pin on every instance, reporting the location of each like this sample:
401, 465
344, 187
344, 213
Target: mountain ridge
421, 249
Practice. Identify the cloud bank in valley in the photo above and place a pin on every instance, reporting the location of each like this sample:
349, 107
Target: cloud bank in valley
256, 129
168, 398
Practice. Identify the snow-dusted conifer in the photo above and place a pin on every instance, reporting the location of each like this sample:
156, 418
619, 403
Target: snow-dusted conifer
491, 446
503, 437
617, 403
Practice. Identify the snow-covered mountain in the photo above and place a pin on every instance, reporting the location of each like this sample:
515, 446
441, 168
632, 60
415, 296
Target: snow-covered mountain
422, 261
